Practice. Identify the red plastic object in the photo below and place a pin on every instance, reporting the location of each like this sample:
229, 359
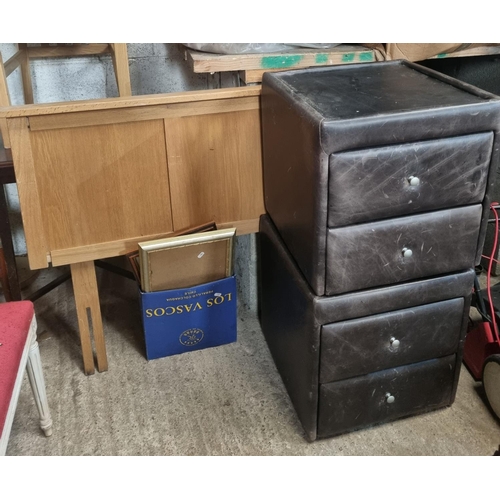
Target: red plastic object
479, 344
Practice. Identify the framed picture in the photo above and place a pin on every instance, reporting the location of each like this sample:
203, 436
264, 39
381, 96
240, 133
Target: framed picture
185, 261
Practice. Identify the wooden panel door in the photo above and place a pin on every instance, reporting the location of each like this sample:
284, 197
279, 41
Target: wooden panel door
215, 168
103, 183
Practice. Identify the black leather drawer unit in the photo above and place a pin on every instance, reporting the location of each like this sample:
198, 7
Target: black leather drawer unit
347, 145
319, 342
376, 185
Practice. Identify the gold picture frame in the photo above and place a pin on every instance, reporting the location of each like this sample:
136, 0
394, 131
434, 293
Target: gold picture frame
185, 261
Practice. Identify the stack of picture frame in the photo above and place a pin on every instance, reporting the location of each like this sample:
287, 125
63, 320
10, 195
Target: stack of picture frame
188, 257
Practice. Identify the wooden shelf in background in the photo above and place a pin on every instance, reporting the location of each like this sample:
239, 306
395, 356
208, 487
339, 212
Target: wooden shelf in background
252, 66
486, 50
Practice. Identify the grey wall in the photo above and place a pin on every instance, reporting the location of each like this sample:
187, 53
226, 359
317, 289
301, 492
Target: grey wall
155, 68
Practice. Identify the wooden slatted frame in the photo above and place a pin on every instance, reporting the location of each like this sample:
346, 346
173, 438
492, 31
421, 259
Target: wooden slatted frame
25, 54
4, 102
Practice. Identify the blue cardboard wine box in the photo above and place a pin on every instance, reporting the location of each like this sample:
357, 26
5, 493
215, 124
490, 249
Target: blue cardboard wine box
189, 319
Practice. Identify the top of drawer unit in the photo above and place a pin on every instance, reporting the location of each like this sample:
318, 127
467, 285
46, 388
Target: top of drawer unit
378, 183
391, 102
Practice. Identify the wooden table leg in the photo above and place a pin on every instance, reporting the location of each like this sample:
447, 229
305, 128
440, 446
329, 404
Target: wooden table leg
3, 277
88, 311
14, 292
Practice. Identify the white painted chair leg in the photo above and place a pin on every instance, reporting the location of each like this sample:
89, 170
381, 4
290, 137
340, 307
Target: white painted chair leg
37, 382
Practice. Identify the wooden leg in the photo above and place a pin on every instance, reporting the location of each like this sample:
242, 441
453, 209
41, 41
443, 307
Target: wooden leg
37, 382
120, 62
88, 311
26, 74
3, 277
4, 133
13, 290
4, 102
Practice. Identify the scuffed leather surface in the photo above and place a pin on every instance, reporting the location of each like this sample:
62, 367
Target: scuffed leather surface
292, 316
361, 91
361, 346
298, 133
286, 310
387, 103
368, 255
373, 184
409, 127
294, 168
358, 402
399, 296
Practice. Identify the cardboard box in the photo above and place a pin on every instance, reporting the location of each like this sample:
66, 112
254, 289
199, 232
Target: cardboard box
189, 319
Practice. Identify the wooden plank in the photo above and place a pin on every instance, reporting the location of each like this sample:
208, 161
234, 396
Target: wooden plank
101, 250
475, 51
4, 91
122, 72
27, 186
4, 133
242, 226
26, 74
129, 102
202, 62
249, 76
215, 167
123, 247
88, 312
104, 117
13, 62
85, 49
4, 102
103, 183
255, 75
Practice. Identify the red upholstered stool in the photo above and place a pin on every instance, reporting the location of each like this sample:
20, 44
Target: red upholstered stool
19, 350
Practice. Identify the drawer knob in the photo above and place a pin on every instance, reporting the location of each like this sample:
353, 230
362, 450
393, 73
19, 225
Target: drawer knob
414, 181
407, 252
394, 342
389, 398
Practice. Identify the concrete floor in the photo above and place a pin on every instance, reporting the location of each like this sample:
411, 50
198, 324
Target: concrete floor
224, 401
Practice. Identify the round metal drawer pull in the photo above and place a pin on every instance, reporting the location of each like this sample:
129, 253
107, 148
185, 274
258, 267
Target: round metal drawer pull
414, 181
389, 398
407, 252
394, 342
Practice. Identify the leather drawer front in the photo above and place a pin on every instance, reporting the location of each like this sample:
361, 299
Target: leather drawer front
360, 346
358, 402
378, 253
372, 184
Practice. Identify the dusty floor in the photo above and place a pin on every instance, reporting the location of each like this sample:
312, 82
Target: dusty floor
227, 400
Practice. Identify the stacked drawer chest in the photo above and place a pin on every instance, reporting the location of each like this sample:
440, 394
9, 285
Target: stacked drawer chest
376, 185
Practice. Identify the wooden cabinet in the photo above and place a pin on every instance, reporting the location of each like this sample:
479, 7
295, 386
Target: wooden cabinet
95, 177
